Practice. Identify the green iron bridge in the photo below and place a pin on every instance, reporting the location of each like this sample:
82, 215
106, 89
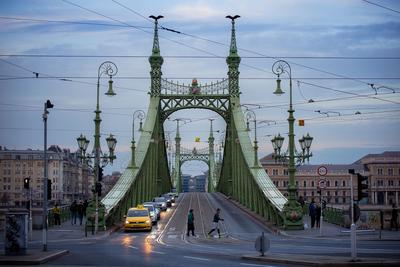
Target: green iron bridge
240, 175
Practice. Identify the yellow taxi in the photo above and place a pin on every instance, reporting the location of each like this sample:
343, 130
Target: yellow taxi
138, 218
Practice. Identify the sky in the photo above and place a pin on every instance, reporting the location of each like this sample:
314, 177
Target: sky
336, 50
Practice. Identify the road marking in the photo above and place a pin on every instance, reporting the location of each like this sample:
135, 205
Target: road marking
195, 258
252, 264
157, 252
133, 247
172, 236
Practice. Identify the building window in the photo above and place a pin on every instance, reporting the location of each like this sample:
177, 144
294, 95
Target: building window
336, 193
328, 193
328, 183
266, 170
380, 171
297, 183
312, 183
344, 193
390, 172
344, 183
380, 182
285, 172
390, 183
312, 193
304, 183
274, 172
344, 200
336, 183
336, 200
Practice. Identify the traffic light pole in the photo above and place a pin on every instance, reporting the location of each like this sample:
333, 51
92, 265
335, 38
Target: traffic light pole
44, 228
353, 237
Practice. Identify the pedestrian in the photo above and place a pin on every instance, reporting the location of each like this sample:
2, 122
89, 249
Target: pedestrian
73, 209
80, 210
317, 216
312, 212
393, 220
85, 205
190, 223
301, 201
56, 213
216, 220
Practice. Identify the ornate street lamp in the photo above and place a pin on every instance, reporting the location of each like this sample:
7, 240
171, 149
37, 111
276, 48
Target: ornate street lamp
293, 215
100, 160
250, 115
138, 114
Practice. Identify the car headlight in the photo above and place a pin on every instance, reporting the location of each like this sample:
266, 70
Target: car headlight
126, 221
148, 221
163, 204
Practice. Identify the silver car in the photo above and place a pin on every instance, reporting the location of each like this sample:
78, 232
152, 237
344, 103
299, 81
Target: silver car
161, 203
152, 210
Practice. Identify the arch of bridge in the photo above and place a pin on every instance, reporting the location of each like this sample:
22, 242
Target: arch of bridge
213, 96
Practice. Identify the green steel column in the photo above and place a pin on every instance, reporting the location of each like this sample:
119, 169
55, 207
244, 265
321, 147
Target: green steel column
211, 158
156, 61
178, 159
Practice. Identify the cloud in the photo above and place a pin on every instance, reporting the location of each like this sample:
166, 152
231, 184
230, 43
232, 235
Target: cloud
199, 11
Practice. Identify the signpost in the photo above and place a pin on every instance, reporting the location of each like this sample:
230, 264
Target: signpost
262, 244
322, 171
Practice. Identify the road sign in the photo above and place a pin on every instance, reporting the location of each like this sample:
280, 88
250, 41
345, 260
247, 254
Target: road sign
262, 244
322, 170
322, 183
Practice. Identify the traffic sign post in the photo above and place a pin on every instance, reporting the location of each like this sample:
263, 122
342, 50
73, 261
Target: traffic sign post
322, 171
262, 244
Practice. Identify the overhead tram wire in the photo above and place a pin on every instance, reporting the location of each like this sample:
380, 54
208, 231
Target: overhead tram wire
381, 6
197, 56
260, 54
47, 76
70, 22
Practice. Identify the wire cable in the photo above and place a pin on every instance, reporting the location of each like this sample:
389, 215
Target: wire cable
378, 5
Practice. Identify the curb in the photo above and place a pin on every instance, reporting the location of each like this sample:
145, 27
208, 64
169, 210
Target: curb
33, 257
321, 261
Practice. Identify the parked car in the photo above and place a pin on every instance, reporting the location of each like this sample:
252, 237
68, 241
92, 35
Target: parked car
161, 203
138, 218
152, 211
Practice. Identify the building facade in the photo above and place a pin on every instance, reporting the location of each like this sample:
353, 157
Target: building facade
69, 180
382, 170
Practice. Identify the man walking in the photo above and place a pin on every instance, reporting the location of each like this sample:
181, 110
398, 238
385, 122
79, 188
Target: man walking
74, 209
216, 224
190, 223
56, 212
312, 212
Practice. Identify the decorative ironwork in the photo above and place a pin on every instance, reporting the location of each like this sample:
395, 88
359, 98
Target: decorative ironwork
217, 88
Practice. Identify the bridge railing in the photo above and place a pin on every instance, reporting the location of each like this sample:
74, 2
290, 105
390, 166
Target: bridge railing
217, 88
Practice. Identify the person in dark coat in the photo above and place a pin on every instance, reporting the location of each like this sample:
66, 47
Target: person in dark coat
312, 212
73, 209
80, 210
317, 216
190, 223
216, 220
393, 220
85, 205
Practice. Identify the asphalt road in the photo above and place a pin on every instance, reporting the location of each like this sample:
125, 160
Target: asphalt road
168, 245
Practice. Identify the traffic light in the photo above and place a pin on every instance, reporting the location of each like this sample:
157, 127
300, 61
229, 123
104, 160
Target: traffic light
362, 186
98, 188
100, 174
48, 189
26, 182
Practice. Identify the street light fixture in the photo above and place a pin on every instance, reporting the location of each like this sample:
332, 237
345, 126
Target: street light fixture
293, 215
251, 115
110, 69
138, 114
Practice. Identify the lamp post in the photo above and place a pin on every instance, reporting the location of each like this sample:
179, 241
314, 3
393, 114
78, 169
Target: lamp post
110, 69
293, 215
251, 115
138, 114
47, 105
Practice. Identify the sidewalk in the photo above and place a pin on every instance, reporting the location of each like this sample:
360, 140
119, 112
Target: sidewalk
65, 232
334, 231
